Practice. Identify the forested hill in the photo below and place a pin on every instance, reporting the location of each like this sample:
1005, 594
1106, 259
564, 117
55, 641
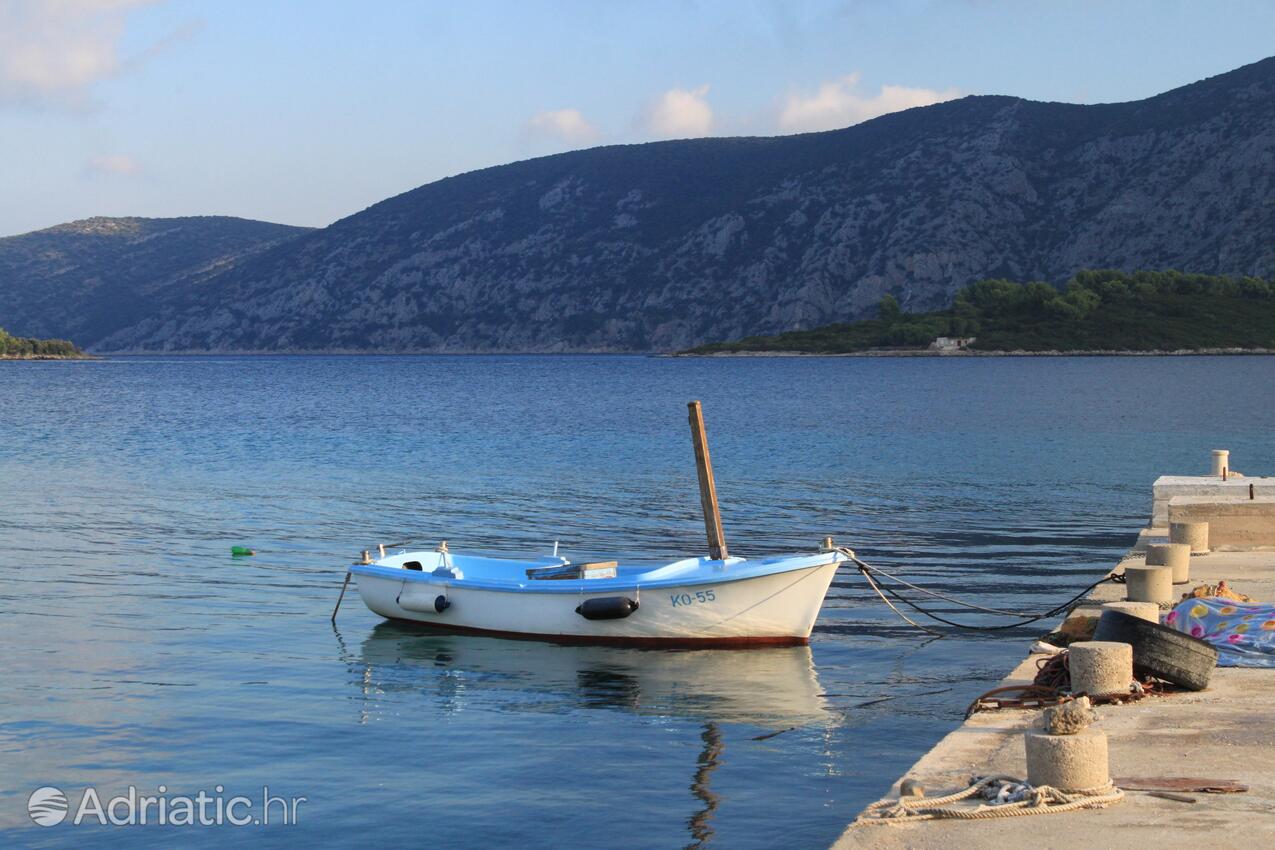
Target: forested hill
1095, 311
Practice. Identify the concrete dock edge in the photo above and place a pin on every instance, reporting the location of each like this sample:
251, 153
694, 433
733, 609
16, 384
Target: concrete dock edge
1224, 732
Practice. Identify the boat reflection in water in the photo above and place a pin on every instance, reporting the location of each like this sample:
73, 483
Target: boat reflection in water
775, 688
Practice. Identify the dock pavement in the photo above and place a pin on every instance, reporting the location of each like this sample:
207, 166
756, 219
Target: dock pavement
1224, 732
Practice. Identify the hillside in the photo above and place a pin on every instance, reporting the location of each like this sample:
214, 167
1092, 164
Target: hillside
88, 279
1096, 311
667, 245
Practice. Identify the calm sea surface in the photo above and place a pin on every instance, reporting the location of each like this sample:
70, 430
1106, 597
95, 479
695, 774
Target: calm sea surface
138, 652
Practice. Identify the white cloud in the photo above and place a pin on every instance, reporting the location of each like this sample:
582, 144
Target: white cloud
567, 125
679, 114
52, 50
839, 103
116, 163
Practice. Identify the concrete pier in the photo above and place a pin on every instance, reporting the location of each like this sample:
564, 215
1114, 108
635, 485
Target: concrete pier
1234, 523
1225, 732
1209, 487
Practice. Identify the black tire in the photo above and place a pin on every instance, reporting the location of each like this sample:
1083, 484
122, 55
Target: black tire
1161, 651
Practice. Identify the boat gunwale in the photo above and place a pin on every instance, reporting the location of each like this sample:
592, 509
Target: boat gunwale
729, 573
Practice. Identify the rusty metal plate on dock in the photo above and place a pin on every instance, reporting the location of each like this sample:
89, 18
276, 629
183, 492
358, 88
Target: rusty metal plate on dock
1181, 783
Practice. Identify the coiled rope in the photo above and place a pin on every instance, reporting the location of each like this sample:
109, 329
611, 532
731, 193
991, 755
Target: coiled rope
889, 595
1007, 797
1052, 686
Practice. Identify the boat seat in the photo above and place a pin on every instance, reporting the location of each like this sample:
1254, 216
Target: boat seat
594, 569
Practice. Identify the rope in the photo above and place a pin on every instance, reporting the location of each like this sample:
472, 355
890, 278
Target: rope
1024, 617
872, 583
1052, 686
1007, 797
1024, 622
944, 596
1054, 671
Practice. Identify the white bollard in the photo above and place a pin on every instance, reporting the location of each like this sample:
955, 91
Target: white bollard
1175, 556
1148, 584
1194, 534
1148, 611
1067, 762
1100, 667
1221, 462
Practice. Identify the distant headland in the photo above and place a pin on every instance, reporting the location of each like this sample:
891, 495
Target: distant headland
25, 348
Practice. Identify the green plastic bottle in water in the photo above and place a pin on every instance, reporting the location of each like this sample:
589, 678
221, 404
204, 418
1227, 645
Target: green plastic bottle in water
241, 551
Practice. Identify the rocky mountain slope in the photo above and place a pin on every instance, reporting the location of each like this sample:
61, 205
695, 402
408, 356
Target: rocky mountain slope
88, 279
666, 245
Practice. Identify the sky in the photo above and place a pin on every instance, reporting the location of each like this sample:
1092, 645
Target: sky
306, 111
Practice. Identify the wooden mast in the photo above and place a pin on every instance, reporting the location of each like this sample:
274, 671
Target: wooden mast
707, 489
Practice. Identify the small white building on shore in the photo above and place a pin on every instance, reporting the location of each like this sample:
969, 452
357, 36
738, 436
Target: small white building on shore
951, 343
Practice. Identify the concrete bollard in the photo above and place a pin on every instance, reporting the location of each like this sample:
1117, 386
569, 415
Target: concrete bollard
1067, 762
1148, 611
1100, 667
1175, 556
1194, 534
1221, 462
1148, 584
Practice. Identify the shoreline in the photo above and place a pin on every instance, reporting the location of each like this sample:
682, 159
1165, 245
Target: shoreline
1202, 352
20, 357
923, 352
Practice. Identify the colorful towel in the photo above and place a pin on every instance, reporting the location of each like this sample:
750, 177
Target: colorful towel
1243, 632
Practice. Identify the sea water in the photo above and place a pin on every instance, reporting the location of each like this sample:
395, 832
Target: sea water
139, 653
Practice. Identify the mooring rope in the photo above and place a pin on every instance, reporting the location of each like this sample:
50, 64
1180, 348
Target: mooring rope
873, 584
887, 593
1008, 796
944, 596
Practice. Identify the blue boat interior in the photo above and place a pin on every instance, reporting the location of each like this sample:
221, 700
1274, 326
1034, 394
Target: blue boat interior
510, 574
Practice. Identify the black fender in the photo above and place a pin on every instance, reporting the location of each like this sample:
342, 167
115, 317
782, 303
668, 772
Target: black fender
607, 608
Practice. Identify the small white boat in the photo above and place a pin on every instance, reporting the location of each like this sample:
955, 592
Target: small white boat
692, 602
695, 602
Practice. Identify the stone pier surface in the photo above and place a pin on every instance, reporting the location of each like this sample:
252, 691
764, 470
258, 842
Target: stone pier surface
1210, 487
1225, 732
1234, 524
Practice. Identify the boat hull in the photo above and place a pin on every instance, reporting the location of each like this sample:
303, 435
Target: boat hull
777, 609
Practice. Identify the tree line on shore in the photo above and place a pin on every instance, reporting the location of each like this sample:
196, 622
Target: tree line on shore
26, 347
1094, 310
